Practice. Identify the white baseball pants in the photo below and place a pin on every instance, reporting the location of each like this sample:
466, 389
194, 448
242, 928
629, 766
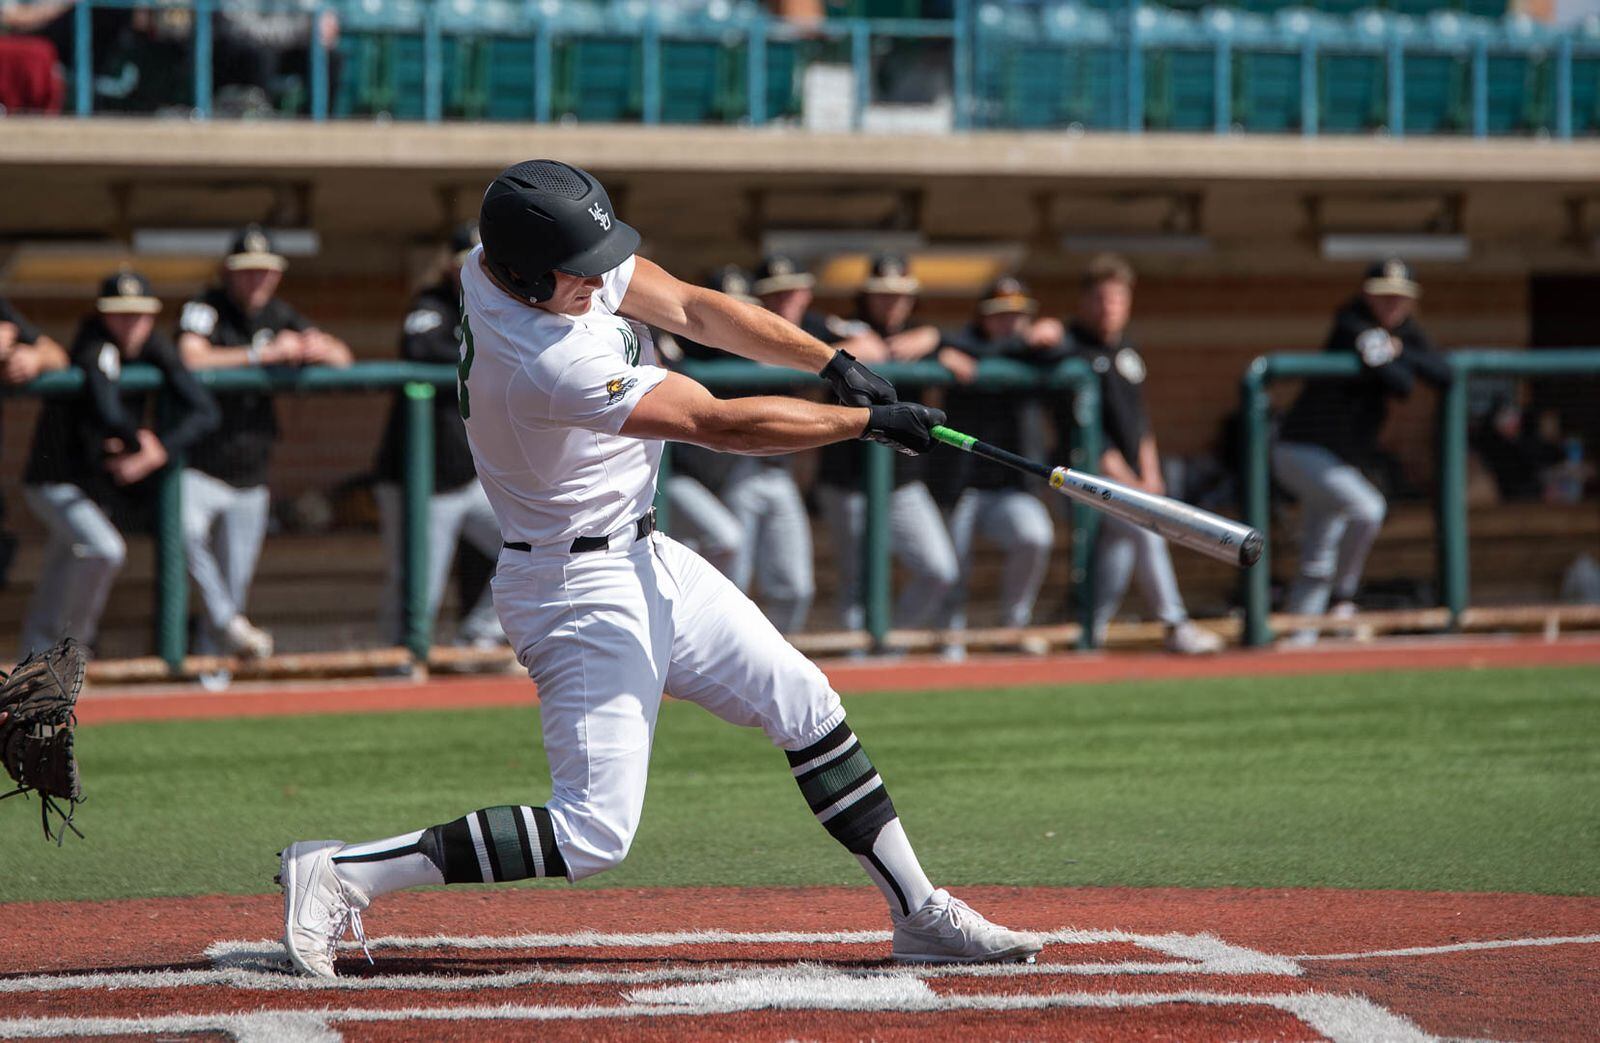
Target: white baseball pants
603, 633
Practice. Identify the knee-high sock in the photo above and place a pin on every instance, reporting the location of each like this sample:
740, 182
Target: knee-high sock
487, 846
849, 799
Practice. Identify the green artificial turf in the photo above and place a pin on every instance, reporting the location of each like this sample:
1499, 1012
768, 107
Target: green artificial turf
1463, 780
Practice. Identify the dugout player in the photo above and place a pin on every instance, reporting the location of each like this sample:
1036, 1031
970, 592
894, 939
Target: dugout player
25, 353
1332, 430
458, 507
997, 502
887, 330
566, 411
699, 476
1125, 552
88, 476
239, 322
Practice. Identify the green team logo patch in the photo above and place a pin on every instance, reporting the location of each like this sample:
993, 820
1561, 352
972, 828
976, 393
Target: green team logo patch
630, 345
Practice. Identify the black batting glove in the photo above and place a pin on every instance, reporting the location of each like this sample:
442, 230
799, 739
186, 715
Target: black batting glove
904, 426
855, 384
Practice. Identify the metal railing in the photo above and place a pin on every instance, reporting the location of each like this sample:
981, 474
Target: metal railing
1072, 376
1128, 37
1451, 533
418, 382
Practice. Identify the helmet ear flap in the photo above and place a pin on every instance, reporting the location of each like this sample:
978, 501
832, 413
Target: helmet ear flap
536, 290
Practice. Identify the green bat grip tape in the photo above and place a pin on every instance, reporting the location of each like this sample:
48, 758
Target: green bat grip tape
955, 438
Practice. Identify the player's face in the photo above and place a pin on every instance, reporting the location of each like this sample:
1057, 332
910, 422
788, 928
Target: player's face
790, 304
252, 288
1106, 307
888, 311
1007, 324
1390, 309
574, 294
130, 331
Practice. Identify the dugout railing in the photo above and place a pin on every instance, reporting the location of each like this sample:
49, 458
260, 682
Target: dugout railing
1451, 536
1098, 65
419, 381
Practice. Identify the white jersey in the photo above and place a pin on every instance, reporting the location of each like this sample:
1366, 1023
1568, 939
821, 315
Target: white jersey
543, 396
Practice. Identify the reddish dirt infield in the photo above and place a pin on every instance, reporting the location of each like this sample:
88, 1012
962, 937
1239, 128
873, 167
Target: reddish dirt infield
526, 963
914, 674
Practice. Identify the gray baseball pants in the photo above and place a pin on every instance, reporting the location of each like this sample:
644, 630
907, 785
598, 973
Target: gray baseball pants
1126, 552
453, 515
82, 557
1012, 519
1343, 513
918, 539
223, 529
702, 522
776, 548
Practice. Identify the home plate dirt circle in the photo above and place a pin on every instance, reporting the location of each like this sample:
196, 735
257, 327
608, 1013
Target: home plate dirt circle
812, 963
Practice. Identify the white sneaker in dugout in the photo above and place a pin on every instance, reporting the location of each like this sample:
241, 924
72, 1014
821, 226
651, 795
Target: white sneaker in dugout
318, 907
948, 930
248, 639
1188, 639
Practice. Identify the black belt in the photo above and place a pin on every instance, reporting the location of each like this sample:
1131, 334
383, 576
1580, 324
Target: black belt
641, 528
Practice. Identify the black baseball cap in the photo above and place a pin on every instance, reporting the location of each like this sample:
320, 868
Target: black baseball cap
126, 293
779, 272
1391, 278
890, 274
732, 281
1008, 295
254, 250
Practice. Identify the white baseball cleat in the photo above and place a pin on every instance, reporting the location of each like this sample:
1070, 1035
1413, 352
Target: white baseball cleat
948, 930
1188, 639
318, 907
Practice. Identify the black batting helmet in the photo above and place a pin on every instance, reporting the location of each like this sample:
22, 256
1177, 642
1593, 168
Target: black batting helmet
540, 217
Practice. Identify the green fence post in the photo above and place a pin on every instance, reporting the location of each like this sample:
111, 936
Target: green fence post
417, 492
878, 481
172, 567
1085, 457
1257, 508
1454, 570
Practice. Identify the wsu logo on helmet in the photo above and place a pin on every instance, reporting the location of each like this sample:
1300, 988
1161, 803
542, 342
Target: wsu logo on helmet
601, 218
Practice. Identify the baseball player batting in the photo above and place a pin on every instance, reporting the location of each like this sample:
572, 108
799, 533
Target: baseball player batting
566, 412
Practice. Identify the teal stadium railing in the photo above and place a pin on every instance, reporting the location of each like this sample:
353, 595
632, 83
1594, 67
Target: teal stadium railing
419, 382
1451, 445
1403, 67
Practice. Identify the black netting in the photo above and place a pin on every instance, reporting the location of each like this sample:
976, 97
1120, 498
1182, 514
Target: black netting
545, 176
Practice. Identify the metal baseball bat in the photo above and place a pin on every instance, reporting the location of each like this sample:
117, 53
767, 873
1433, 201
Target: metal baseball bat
1210, 534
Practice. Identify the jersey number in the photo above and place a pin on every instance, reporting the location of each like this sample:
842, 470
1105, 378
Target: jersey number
464, 367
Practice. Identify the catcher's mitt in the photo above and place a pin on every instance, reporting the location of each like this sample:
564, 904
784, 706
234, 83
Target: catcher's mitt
37, 703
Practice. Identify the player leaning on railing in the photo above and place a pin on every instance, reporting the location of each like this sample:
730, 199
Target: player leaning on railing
566, 411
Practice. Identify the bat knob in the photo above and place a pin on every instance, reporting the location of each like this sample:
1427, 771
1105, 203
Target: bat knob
1250, 549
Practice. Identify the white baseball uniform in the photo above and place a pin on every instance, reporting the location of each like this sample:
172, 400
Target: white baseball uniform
603, 632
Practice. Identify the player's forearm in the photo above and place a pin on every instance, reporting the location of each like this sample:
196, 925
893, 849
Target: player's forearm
752, 332
768, 425
199, 353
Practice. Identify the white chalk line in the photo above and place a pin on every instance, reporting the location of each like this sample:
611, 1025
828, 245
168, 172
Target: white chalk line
262, 966
1434, 950
1342, 1019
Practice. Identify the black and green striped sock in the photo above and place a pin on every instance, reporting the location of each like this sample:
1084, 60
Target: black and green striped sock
849, 798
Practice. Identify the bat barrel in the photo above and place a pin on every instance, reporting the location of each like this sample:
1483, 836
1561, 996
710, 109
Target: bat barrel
1210, 534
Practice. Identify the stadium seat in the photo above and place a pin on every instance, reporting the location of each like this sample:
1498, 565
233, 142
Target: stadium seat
1586, 96
1520, 96
1353, 97
1266, 91
1437, 97
1180, 89
599, 79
